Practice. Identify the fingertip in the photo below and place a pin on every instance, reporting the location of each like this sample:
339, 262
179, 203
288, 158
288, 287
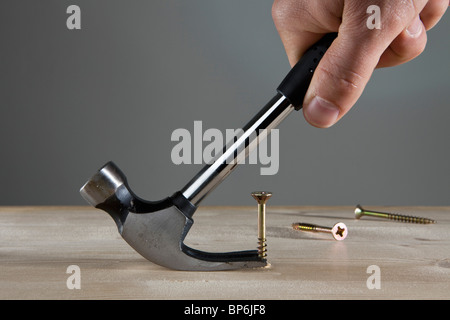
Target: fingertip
433, 11
406, 46
321, 113
415, 29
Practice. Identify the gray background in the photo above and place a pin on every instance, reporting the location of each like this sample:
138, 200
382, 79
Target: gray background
137, 70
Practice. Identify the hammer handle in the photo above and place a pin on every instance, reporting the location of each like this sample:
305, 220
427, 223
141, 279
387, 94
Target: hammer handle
290, 94
296, 82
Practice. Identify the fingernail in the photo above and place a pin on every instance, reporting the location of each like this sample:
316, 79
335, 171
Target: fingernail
415, 28
321, 113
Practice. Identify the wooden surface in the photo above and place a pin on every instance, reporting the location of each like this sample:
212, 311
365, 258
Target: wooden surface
39, 243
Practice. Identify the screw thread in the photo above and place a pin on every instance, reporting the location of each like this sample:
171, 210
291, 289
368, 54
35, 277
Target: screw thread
359, 211
410, 219
310, 227
262, 248
304, 226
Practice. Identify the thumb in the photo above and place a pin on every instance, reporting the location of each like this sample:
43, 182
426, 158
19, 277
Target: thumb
340, 79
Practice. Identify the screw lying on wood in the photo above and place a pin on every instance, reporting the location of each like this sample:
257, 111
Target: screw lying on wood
262, 197
339, 230
359, 212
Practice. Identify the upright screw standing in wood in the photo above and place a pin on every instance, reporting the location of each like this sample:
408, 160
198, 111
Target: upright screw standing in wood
262, 197
359, 212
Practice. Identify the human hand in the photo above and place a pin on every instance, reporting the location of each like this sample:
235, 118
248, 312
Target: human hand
347, 66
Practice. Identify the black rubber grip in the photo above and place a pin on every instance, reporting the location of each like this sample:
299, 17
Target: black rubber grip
296, 83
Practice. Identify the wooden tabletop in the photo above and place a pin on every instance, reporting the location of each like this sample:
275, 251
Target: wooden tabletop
380, 259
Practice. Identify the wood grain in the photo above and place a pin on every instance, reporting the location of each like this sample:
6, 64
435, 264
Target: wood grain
39, 243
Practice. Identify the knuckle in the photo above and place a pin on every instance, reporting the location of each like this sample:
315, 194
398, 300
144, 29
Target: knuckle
279, 10
399, 14
341, 89
406, 48
287, 11
313, 16
411, 7
345, 81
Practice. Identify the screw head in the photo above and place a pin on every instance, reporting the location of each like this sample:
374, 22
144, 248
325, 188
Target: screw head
359, 211
339, 231
261, 196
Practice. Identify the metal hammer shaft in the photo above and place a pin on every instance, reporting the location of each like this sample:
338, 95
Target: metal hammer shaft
253, 133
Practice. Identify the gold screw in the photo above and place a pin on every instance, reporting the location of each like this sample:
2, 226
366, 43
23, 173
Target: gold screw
262, 197
359, 212
339, 230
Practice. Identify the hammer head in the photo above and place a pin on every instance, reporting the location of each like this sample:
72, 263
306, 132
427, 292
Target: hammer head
157, 229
